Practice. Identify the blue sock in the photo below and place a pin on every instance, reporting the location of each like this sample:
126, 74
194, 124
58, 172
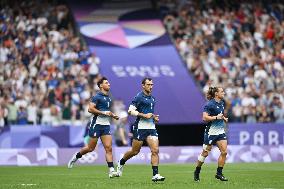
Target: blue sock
110, 164
155, 170
78, 155
219, 170
197, 169
122, 161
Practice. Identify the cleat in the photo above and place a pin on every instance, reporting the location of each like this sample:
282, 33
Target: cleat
113, 174
157, 178
221, 177
196, 176
72, 161
119, 169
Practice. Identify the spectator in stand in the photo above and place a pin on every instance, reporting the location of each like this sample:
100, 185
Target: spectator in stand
66, 110
42, 57
12, 112
277, 109
2, 116
22, 116
32, 112
46, 113
238, 45
120, 133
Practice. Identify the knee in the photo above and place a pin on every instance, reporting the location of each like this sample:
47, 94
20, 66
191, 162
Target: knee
155, 151
205, 153
108, 149
223, 153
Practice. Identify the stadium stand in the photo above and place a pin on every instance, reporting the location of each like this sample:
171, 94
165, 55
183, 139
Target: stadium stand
238, 46
47, 73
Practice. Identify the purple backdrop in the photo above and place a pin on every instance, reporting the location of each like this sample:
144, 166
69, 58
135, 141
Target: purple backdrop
70, 136
42, 137
178, 99
256, 134
131, 50
186, 154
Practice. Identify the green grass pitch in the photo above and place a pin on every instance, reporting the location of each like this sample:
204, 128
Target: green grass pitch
244, 175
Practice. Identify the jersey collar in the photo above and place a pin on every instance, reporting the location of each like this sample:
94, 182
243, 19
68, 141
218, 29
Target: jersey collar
100, 92
217, 102
146, 96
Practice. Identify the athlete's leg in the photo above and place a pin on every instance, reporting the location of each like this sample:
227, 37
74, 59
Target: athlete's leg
153, 143
203, 155
135, 149
107, 143
200, 160
88, 148
222, 145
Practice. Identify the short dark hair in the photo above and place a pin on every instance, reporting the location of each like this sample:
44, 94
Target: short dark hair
101, 81
145, 79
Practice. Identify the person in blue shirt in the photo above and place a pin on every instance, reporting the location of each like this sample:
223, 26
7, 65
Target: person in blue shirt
144, 128
213, 115
99, 126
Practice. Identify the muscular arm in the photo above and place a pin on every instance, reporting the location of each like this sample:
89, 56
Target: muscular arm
206, 117
225, 117
93, 110
133, 111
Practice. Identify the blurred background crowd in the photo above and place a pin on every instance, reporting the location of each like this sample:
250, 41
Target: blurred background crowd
238, 45
48, 74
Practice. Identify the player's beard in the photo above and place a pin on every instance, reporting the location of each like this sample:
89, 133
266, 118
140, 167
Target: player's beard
149, 91
106, 89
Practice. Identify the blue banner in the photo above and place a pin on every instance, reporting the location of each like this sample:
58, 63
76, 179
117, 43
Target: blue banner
256, 134
42, 137
133, 49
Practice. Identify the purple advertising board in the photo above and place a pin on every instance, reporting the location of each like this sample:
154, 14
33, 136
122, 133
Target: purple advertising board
71, 136
184, 154
256, 134
42, 137
130, 50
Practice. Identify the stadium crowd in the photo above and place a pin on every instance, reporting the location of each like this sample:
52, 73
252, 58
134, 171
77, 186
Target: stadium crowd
238, 45
47, 74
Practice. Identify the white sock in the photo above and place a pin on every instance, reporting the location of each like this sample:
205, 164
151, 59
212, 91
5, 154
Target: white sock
111, 169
